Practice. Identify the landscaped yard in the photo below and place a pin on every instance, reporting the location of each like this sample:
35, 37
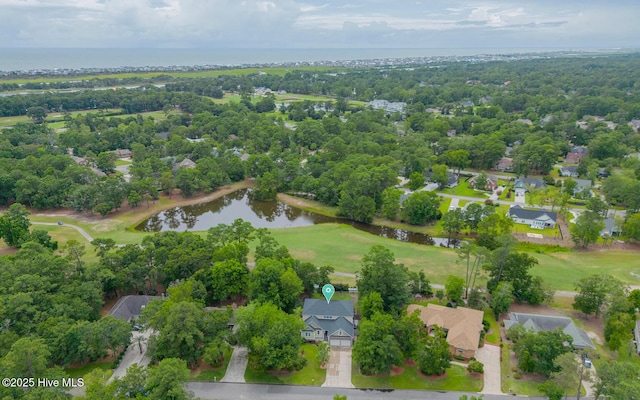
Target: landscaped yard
463, 189
81, 372
509, 383
524, 228
207, 373
456, 379
310, 375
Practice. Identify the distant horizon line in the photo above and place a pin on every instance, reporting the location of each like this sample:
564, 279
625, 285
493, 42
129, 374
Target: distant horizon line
318, 48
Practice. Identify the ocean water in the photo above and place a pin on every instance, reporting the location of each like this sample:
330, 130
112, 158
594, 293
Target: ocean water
24, 59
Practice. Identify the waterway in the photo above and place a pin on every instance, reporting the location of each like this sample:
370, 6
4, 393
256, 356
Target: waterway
262, 214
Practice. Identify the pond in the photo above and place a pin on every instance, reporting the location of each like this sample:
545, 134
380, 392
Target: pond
261, 214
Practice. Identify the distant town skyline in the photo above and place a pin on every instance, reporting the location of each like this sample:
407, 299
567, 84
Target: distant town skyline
319, 24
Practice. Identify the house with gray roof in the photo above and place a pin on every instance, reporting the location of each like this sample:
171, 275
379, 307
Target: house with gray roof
611, 228
129, 308
534, 218
537, 323
523, 185
570, 171
583, 186
452, 179
331, 322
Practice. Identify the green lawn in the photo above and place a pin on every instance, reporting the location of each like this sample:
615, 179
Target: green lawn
81, 372
523, 228
310, 375
463, 189
120, 162
214, 374
562, 269
493, 336
11, 121
509, 383
343, 247
456, 379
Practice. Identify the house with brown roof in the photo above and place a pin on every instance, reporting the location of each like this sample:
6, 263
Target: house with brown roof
574, 158
504, 164
123, 153
462, 326
492, 182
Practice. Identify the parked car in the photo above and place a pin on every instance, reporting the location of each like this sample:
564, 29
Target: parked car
59, 222
587, 362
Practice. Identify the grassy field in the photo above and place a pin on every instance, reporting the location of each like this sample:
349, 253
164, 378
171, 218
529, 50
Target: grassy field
55, 120
456, 379
562, 269
195, 74
279, 98
342, 247
310, 375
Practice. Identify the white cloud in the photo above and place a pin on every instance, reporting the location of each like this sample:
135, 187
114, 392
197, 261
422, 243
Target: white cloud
300, 23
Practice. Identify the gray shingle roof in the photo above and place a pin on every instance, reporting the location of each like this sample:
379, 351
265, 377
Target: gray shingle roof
539, 323
535, 183
330, 317
520, 212
332, 327
335, 308
130, 307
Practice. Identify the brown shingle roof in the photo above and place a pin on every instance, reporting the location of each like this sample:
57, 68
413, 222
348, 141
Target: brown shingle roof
463, 324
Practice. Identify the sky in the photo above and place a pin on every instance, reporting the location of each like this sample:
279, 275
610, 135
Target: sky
286, 24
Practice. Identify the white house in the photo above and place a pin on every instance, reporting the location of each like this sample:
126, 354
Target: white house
539, 219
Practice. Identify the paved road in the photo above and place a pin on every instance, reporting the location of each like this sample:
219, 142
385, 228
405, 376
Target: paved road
247, 391
339, 369
237, 365
82, 231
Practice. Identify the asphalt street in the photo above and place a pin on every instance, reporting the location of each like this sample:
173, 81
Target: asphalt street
248, 391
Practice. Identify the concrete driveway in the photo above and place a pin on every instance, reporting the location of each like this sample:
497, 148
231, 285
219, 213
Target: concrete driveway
339, 368
237, 365
489, 355
133, 355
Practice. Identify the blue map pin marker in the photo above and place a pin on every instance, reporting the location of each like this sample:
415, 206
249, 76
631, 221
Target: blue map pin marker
328, 290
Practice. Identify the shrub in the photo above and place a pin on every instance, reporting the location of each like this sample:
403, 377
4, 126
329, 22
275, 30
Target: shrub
475, 366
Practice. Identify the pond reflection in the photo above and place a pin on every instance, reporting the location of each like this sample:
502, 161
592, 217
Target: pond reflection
261, 214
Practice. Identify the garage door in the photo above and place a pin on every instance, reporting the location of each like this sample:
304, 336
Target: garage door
340, 342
